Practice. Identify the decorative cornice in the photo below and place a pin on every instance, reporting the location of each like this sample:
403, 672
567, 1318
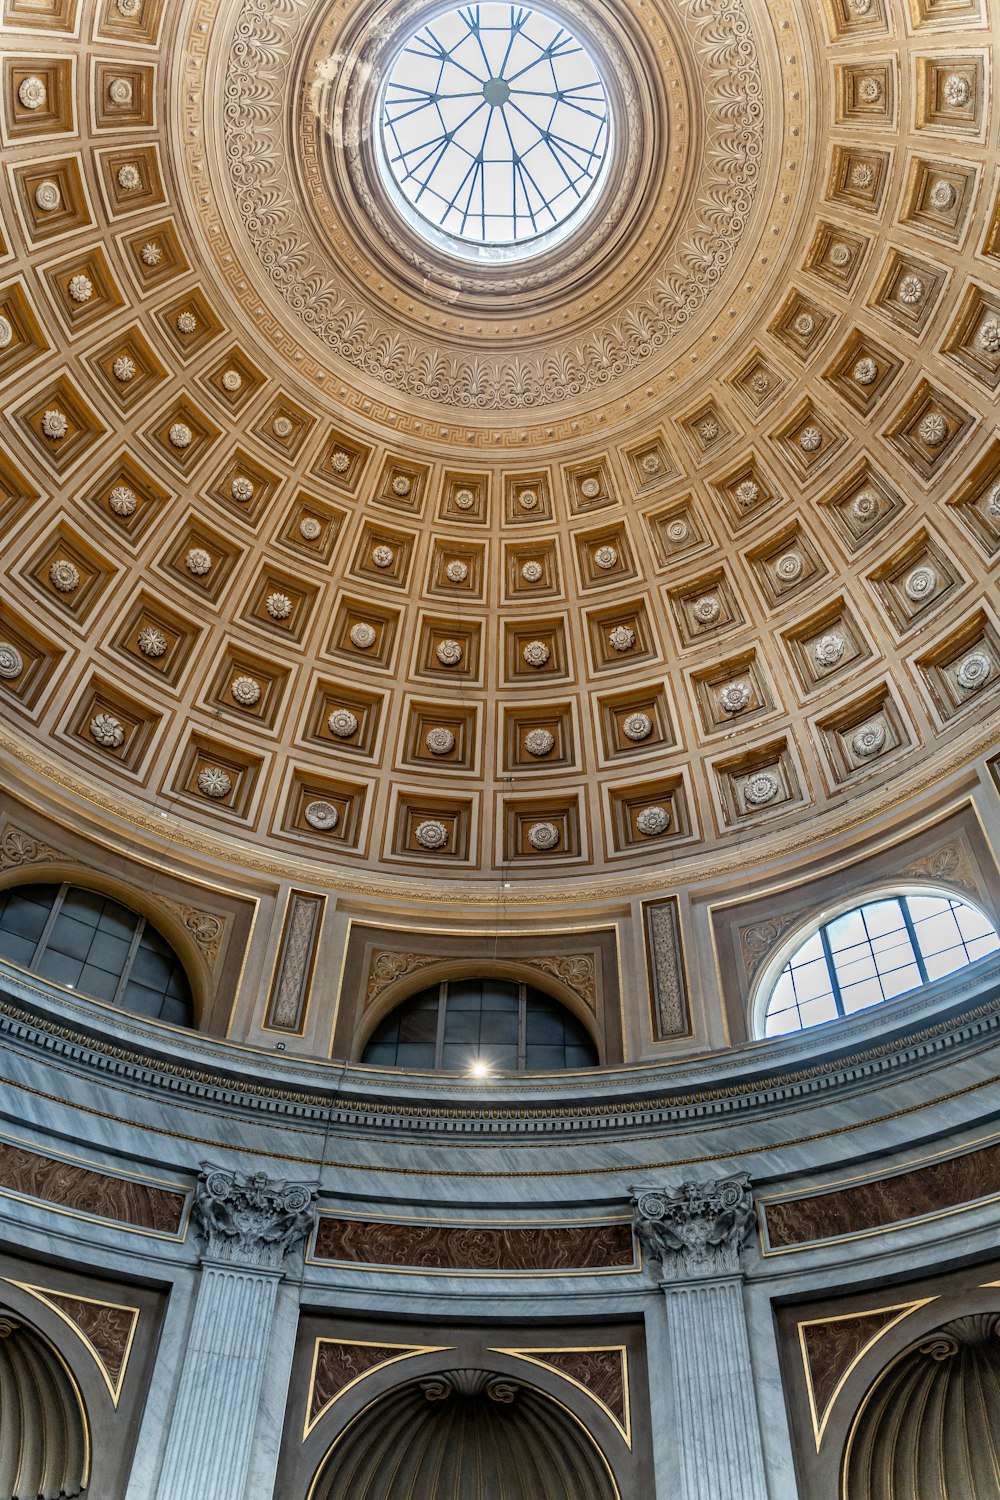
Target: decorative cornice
977, 1029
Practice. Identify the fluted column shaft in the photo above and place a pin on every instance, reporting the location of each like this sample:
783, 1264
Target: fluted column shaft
718, 1430
250, 1224
212, 1426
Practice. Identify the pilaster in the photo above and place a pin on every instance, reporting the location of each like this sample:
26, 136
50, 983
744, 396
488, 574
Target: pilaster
250, 1224
696, 1233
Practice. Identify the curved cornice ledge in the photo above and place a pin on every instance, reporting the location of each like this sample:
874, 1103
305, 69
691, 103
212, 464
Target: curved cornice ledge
754, 1081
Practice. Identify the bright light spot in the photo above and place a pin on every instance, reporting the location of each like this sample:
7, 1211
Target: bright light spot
480, 1068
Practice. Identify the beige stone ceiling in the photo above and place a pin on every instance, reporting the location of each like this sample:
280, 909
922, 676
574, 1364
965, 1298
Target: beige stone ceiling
685, 533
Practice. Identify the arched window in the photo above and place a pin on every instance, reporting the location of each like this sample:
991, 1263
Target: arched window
93, 944
481, 1025
873, 953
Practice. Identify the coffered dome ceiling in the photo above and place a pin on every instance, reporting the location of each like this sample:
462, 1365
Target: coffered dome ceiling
320, 538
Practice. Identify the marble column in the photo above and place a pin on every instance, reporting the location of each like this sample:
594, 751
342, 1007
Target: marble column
249, 1224
696, 1233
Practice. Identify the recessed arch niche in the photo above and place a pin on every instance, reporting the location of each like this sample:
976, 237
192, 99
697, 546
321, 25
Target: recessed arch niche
44, 1439
464, 1435
929, 1427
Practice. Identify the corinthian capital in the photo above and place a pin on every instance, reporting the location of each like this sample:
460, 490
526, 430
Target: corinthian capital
697, 1229
248, 1219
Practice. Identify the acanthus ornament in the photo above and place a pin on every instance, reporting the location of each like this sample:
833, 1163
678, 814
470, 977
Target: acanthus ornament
80, 287
151, 254
543, 836
231, 381
250, 1219
531, 572
241, 489
401, 486
277, 228
528, 499
11, 661
55, 424
678, 530
621, 638
464, 499
120, 92
283, 427
606, 557
340, 461
869, 90
382, 556
698, 1229
310, 528
865, 371
123, 368
6, 333
590, 488
747, 492
810, 439
198, 562
129, 177
187, 323
536, 653
457, 571
180, 435
862, 176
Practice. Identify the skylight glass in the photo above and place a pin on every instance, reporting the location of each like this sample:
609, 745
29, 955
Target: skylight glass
495, 125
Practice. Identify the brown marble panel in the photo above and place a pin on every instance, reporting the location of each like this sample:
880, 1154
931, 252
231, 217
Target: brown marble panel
887, 1200
830, 1347
599, 1371
338, 1363
88, 1192
440, 1247
107, 1327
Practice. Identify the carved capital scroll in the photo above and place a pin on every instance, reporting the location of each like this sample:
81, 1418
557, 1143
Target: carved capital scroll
248, 1218
698, 1229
